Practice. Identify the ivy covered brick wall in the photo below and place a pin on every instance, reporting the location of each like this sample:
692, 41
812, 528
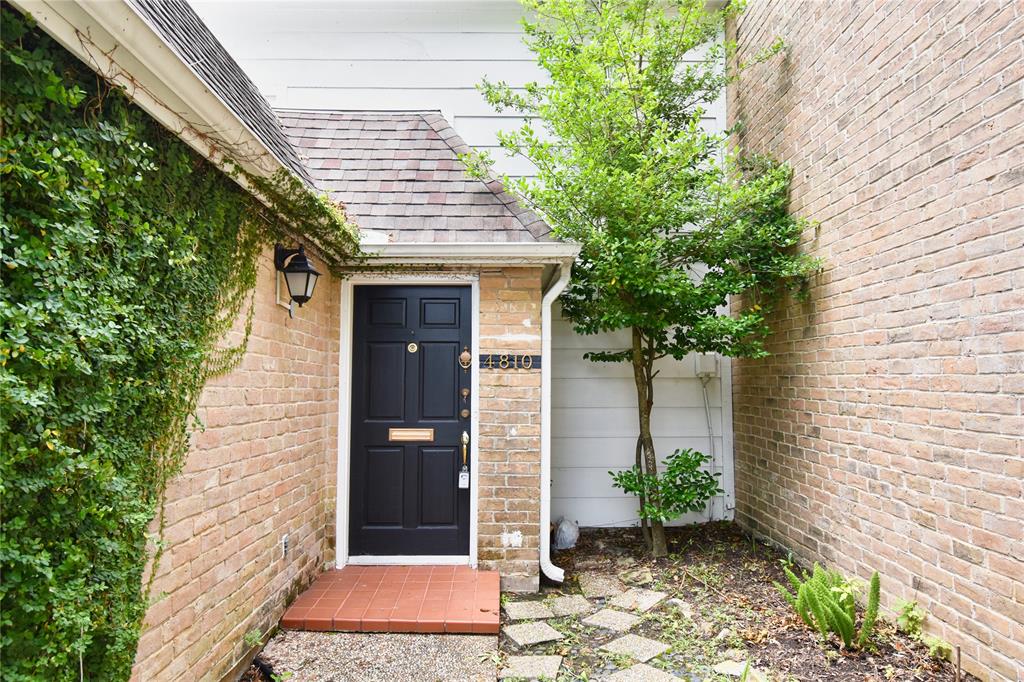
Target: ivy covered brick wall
125, 259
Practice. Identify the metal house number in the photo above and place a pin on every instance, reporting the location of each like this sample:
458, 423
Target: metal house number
509, 361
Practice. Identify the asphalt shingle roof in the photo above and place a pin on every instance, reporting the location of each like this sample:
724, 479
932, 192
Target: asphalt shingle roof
185, 33
399, 173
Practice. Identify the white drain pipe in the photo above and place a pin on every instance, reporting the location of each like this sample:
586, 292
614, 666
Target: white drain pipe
554, 290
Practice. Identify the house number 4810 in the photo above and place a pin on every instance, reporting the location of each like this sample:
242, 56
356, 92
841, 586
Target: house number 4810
509, 361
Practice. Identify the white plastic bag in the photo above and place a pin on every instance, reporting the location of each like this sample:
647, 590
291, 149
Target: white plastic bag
566, 533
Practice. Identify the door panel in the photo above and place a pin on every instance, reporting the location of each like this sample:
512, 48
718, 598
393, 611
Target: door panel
385, 475
437, 503
404, 497
385, 384
440, 314
439, 382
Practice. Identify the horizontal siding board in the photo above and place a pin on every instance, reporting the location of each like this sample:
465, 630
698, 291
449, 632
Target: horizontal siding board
621, 393
399, 46
569, 364
453, 102
569, 422
348, 74
369, 16
616, 452
608, 512
586, 483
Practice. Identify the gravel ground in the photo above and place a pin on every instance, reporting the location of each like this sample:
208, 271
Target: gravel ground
355, 657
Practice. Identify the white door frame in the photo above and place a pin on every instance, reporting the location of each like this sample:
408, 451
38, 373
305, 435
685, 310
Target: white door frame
345, 415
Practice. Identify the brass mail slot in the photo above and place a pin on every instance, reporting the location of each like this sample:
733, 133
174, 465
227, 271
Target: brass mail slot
405, 435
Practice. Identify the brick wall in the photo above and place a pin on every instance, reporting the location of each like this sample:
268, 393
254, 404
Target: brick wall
509, 429
884, 432
264, 466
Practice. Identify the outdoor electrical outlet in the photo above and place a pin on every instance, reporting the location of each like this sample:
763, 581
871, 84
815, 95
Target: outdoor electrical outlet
706, 364
284, 544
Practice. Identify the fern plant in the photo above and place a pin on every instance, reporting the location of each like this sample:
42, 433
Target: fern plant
827, 602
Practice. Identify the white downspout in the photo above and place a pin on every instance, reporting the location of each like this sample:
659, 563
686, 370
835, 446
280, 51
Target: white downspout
557, 286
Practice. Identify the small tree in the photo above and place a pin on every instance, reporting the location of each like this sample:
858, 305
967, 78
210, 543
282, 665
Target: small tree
669, 229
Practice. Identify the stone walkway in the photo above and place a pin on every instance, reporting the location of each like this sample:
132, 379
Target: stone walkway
600, 618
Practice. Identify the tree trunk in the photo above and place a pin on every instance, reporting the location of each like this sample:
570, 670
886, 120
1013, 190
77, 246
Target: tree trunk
643, 375
645, 529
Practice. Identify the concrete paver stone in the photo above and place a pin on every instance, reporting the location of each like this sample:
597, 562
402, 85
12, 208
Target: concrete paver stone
528, 610
612, 620
531, 667
526, 634
636, 647
571, 605
637, 599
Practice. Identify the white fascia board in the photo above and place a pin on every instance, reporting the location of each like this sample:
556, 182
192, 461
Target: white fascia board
472, 253
121, 47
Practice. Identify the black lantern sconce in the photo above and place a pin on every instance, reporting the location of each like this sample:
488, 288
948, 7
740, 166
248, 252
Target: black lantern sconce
299, 274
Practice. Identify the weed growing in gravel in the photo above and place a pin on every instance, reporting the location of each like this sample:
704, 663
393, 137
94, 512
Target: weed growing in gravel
570, 626
570, 674
621, 661
495, 656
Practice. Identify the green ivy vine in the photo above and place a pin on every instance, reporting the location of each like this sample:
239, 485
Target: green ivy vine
124, 259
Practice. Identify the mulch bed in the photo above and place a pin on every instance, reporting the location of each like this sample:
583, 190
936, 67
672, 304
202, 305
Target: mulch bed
725, 580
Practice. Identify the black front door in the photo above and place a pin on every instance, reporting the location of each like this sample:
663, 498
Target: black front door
410, 408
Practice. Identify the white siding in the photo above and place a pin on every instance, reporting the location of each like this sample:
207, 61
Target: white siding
397, 56
595, 427
429, 55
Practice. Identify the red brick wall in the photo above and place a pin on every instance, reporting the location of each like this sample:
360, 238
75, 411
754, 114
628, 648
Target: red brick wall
264, 466
509, 425
885, 431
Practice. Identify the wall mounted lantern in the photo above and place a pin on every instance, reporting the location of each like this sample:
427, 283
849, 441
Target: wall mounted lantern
299, 274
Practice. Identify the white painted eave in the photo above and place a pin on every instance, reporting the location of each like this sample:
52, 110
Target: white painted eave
472, 253
120, 46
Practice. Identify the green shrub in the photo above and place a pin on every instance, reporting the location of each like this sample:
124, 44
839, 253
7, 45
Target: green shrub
682, 487
827, 602
124, 259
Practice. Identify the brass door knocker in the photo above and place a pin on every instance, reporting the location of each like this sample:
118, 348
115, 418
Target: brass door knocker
465, 358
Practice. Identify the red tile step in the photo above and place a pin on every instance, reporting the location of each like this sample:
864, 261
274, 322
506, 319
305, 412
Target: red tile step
399, 599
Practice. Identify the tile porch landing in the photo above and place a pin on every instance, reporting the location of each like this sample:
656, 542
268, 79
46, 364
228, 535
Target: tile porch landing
453, 599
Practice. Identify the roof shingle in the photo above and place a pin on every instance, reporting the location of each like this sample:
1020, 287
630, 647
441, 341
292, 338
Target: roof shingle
400, 173
185, 33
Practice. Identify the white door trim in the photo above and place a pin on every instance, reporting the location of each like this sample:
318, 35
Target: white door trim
345, 415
